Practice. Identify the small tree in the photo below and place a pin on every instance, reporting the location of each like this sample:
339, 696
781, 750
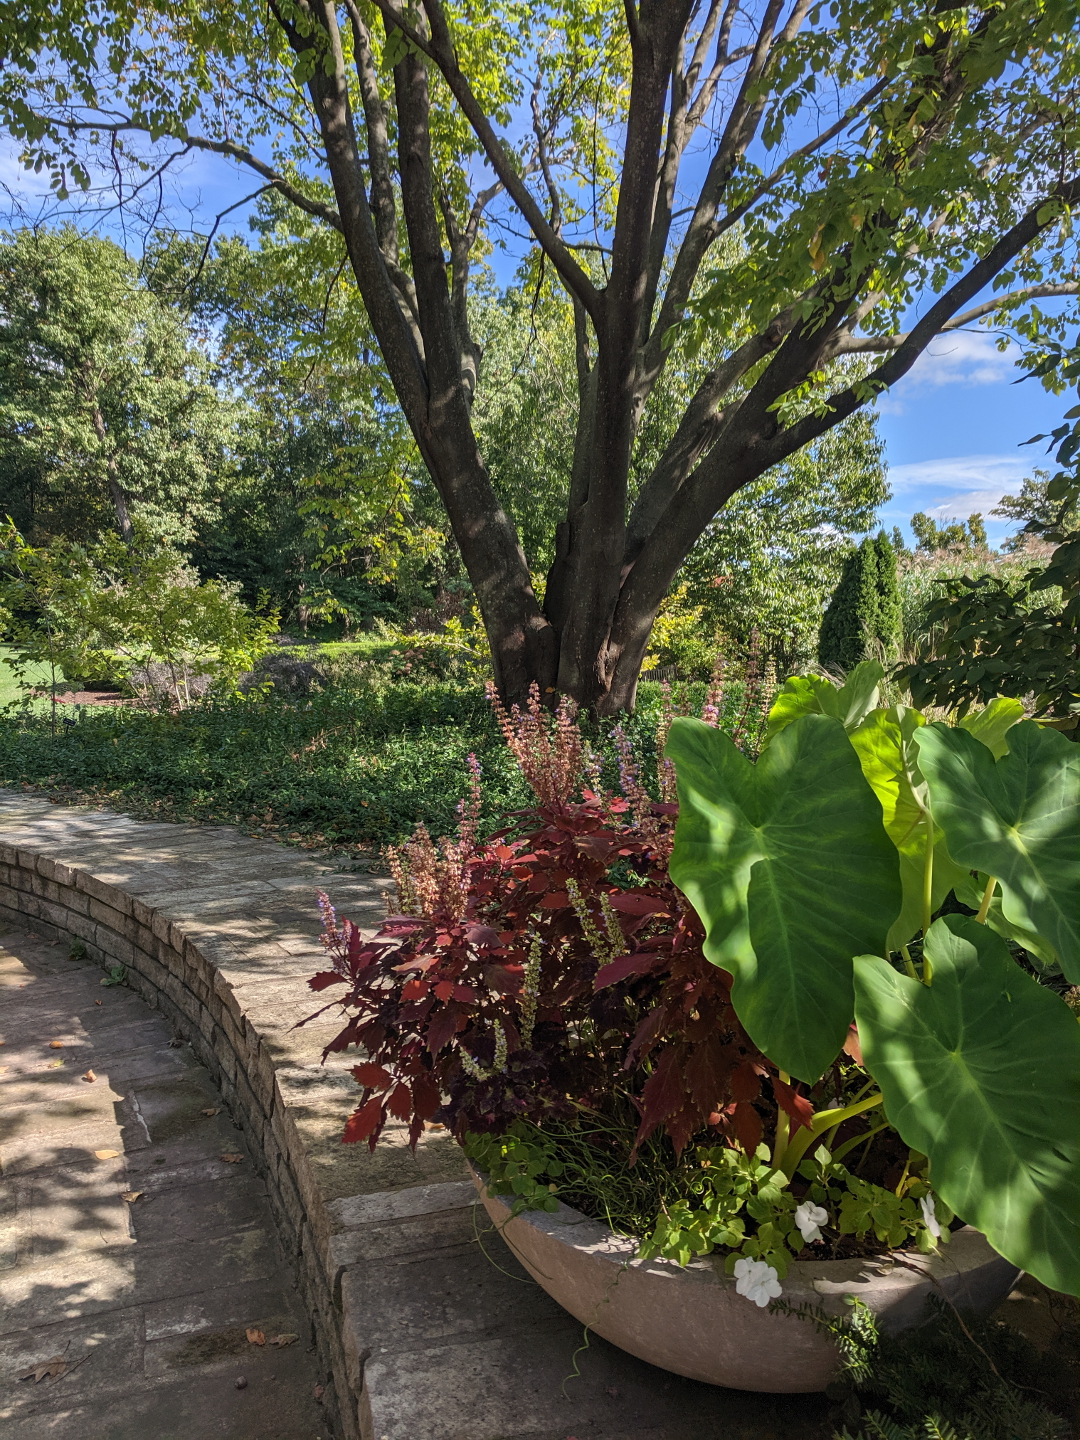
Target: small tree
890, 612
44, 603
850, 622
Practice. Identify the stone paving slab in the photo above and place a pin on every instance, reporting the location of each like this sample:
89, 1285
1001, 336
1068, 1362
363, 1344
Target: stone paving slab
146, 1302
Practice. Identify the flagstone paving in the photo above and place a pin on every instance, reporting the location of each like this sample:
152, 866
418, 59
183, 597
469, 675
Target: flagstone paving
139, 1306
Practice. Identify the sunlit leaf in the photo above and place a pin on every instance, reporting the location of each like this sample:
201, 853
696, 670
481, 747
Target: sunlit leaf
981, 1072
789, 867
1017, 818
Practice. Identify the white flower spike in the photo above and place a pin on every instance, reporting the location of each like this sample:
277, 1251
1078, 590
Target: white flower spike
809, 1218
757, 1281
930, 1220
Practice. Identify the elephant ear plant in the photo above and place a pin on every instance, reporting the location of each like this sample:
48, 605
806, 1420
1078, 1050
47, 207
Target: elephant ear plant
818, 874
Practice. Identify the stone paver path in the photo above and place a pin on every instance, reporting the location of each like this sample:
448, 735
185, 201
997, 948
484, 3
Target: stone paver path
144, 1302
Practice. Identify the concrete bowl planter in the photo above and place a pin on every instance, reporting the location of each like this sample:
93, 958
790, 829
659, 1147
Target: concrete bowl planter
690, 1320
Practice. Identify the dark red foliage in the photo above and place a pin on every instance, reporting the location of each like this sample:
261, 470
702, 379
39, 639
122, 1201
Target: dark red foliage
458, 1026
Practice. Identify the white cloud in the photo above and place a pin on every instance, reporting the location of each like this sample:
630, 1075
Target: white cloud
974, 475
963, 357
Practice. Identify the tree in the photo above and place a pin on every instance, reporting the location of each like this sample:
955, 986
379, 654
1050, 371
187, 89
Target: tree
107, 410
1035, 508
856, 159
850, 624
960, 535
889, 609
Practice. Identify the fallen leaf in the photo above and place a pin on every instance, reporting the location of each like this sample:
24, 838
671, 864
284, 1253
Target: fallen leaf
282, 1340
106, 1154
90, 1077
131, 1195
175, 1044
56, 1366
319, 1392
256, 1336
99, 1002
55, 1064
56, 1044
213, 1111
231, 1159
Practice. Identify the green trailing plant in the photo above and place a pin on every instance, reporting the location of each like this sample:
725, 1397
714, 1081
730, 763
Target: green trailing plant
839, 833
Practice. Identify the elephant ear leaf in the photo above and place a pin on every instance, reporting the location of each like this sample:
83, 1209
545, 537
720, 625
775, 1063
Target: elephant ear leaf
981, 1072
814, 695
992, 724
884, 743
1017, 818
789, 867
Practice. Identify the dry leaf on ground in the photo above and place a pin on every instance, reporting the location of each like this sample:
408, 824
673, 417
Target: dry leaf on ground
89, 1077
214, 1110
56, 1044
106, 1154
231, 1158
282, 1340
99, 1002
256, 1336
131, 1195
56, 1366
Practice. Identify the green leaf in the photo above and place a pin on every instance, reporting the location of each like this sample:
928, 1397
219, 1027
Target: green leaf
981, 1072
889, 760
970, 892
1017, 818
813, 695
791, 872
992, 723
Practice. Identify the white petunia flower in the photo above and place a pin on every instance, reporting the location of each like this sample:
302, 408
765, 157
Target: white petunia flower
809, 1218
757, 1281
930, 1220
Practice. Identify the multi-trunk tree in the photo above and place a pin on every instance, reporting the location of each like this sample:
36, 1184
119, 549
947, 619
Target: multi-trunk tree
784, 181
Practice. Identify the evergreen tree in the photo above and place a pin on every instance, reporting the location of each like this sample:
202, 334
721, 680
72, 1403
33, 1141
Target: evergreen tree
850, 624
888, 626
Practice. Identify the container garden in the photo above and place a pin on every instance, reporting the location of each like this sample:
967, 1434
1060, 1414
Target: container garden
691, 1320
776, 1032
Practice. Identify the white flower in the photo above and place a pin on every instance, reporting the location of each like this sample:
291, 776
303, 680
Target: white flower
757, 1281
930, 1220
809, 1217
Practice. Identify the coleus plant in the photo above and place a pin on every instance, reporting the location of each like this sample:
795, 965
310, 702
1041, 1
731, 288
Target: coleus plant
546, 968
817, 873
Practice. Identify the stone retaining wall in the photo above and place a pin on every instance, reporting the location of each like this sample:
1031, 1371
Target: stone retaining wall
175, 976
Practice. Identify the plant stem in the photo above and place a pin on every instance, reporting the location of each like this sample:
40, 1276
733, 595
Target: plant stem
909, 964
783, 1127
988, 895
928, 896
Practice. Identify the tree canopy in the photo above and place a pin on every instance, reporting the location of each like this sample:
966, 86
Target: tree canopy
767, 190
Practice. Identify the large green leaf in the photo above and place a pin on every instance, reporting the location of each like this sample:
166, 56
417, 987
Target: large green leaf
971, 891
991, 724
981, 1072
884, 743
1017, 818
814, 695
791, 871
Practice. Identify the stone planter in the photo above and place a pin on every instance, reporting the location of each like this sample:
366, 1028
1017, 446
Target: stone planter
691, 1320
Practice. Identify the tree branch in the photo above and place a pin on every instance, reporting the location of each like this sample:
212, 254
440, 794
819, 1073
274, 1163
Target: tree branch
440, 51
883, 344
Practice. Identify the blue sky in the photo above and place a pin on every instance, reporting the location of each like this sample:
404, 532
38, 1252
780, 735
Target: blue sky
953, 427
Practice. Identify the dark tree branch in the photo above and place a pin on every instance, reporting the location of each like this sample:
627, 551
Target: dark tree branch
882, 344
439, 49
